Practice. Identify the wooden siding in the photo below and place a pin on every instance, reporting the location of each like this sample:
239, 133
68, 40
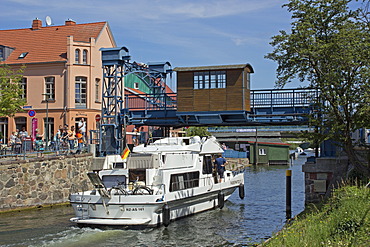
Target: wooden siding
222, 99
217, 100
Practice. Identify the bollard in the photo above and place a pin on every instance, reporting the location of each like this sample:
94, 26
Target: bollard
288, 174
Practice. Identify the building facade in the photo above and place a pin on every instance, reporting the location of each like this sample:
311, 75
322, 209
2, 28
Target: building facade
63, 74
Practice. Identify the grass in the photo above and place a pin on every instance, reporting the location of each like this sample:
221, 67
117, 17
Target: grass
344, 220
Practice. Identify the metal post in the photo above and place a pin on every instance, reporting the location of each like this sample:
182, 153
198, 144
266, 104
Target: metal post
288, 174
256, 149
47, 123
47, 119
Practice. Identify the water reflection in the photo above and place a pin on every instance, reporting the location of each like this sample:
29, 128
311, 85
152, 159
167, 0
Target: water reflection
239, 223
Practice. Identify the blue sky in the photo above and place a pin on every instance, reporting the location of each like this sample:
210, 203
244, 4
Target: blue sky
183, 32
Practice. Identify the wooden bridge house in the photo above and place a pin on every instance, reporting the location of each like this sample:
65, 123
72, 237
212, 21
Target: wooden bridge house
213, 88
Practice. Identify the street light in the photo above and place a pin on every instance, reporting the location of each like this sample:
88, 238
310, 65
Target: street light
47, 96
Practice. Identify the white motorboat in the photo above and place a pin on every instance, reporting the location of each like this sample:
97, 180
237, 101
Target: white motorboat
160, 182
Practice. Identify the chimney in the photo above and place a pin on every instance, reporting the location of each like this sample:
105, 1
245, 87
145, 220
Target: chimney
70, 22
36, 24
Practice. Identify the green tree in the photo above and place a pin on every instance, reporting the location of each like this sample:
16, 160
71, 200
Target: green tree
329, 46
10, 90
197, 131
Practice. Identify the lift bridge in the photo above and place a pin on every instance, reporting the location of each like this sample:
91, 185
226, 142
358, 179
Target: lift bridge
159, 108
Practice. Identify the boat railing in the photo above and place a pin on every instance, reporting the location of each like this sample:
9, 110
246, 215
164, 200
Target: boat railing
136, 188
139, 188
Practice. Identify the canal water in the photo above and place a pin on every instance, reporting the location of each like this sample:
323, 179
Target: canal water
239, 223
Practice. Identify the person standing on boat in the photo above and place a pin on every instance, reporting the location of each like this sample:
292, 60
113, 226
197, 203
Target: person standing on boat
142, 136
135, 139
220, 162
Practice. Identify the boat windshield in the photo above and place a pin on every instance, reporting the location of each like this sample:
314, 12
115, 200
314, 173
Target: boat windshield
113, 180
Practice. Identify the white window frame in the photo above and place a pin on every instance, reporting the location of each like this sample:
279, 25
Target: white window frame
2, 52
209, 79
77, 56
262, 151
23, 84
50, 87
84, 56
81, 91
97, 89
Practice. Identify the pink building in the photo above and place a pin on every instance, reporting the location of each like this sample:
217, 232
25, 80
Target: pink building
63, 76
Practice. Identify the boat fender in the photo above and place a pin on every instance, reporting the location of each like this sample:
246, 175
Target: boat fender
221, 200
166, 215
241, 191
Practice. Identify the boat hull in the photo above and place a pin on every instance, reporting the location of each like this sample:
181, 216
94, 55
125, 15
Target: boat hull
147, 210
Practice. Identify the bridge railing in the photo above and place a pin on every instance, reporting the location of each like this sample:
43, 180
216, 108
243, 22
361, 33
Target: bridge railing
282, 98
161, 101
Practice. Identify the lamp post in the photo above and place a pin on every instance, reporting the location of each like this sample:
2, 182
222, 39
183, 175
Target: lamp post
47, 95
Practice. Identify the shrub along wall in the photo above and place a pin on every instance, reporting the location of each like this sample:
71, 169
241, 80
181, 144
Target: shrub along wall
29, 183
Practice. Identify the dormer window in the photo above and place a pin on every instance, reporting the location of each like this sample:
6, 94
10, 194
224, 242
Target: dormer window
23, 55
5, 52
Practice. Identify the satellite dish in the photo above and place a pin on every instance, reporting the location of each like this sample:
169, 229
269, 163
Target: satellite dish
48, 21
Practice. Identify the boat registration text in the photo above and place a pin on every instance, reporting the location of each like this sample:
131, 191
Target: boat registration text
134, 209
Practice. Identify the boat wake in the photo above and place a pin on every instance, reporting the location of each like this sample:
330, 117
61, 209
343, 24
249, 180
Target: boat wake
75, 236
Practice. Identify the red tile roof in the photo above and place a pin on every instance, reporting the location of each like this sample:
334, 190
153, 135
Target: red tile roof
47, 44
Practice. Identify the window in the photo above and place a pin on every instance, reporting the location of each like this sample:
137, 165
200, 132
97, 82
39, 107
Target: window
136, 85
2, 57
23, 84
22, 55
50, 88
97, 89
84, 57
207, 165
248, 75
77, 56
209, 79
80, 92
20, 122
3, 130
184, 181
262, 151
113, 180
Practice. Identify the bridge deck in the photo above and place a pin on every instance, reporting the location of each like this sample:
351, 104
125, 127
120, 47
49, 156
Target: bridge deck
275, 106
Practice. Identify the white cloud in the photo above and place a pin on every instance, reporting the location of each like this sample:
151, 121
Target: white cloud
160, 10
217, 8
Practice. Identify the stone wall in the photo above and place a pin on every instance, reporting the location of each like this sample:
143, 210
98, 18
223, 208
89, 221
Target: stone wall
321, 176
29, 183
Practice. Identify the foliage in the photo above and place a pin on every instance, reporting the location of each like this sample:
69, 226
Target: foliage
343, 221
10, 90
197, 131
329, 46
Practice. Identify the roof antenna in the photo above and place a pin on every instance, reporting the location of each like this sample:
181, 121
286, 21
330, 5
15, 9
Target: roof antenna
48, 21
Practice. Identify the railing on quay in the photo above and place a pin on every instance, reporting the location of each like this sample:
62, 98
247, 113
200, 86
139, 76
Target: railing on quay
25, 151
